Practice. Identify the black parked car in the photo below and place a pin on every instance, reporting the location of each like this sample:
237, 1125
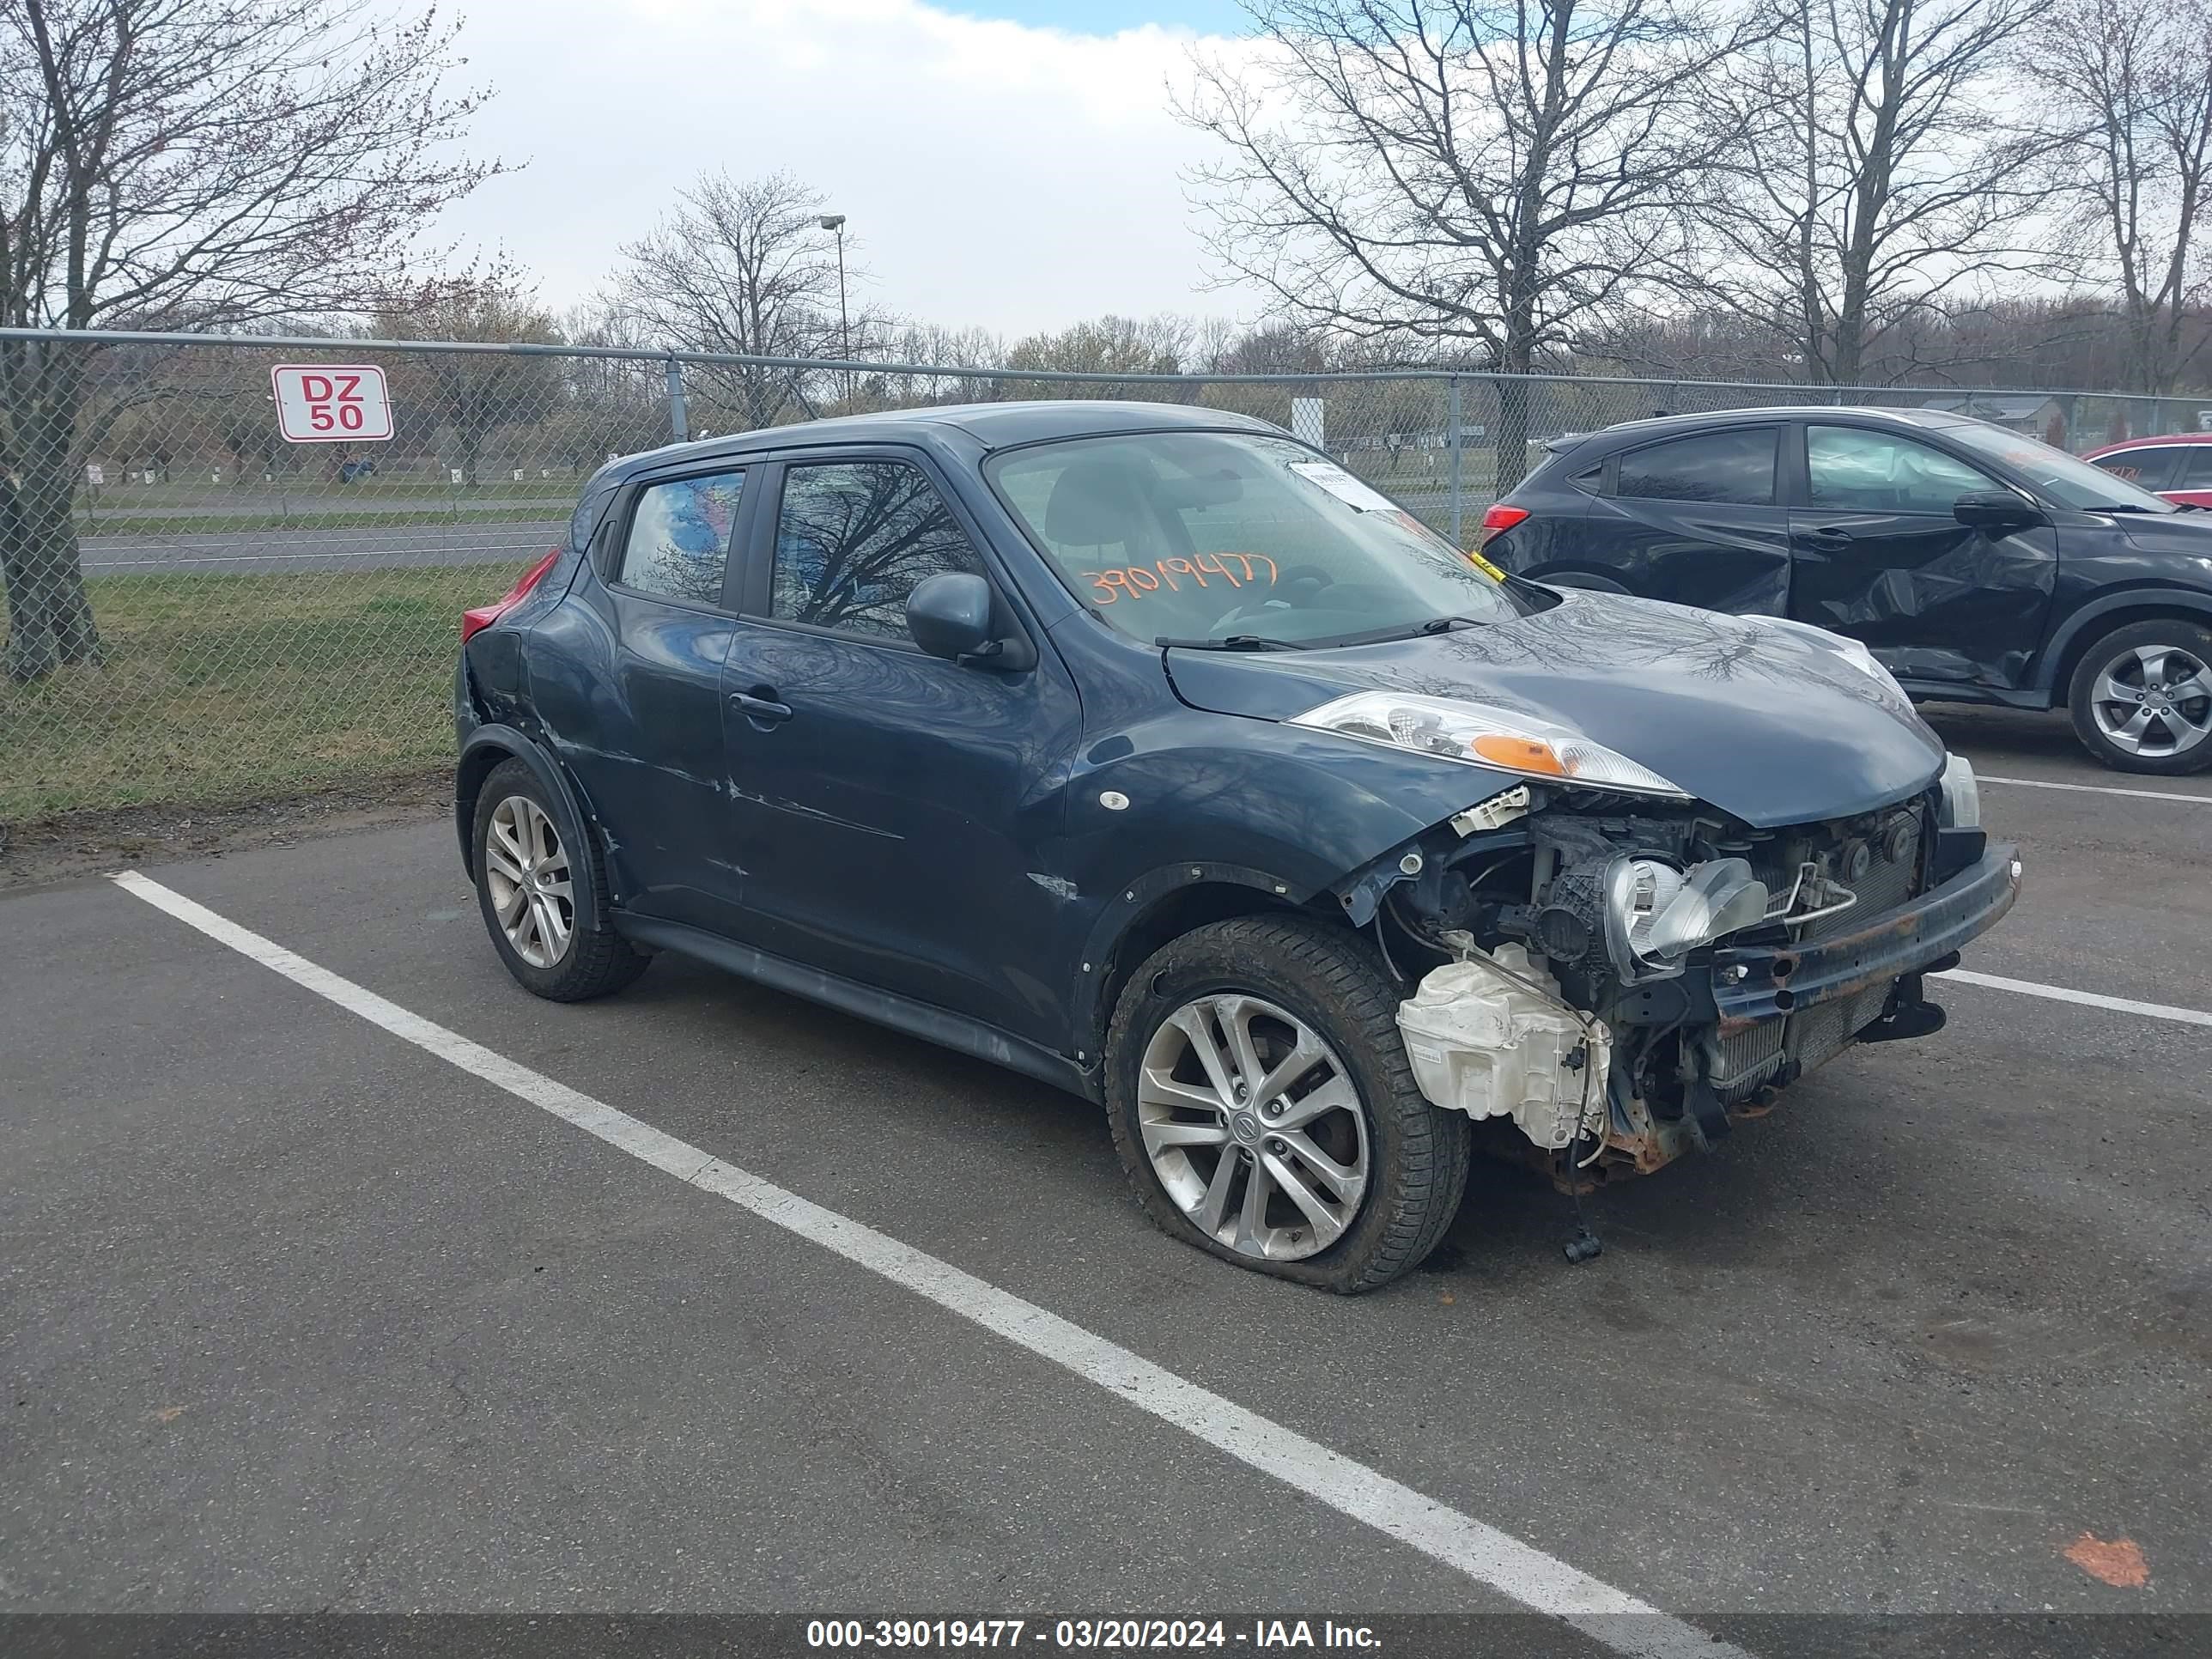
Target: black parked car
1977, 565
1147, 751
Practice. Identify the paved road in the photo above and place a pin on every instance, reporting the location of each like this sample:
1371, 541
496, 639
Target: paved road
383, 547
296, 1316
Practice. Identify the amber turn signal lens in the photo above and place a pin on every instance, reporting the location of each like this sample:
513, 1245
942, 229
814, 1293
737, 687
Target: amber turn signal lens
1520, 754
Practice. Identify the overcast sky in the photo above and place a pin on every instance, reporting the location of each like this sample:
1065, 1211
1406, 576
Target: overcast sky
1010, 164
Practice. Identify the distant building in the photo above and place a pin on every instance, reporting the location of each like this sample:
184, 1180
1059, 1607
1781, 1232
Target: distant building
2031, 412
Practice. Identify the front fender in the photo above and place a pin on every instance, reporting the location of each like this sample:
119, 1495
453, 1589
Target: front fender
2093, 617
1220, 799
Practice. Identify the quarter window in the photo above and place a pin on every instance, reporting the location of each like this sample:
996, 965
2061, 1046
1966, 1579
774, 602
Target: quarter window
1734, 466
1868, 471
679, 538
852, 539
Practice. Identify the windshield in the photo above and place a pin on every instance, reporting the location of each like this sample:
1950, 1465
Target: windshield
1230, 537
2068, 482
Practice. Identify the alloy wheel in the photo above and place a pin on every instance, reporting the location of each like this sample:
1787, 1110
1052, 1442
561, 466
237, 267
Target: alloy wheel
1254, 1126
2155, 701
526, 870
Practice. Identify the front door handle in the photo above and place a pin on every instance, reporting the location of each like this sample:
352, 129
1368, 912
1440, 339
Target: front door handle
1827, 538
762, 711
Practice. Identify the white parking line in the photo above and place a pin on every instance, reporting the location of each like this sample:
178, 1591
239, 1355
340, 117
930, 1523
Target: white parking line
2029, 988
2097, 789
1526, 1574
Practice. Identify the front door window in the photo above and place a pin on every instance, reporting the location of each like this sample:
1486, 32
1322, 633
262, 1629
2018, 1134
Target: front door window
1855, 471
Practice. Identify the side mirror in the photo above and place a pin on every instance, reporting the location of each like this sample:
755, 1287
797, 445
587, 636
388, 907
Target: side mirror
950, 615
1998, 510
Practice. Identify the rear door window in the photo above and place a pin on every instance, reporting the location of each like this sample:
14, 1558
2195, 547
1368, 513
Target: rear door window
678, 546
2196, 470
1736, 465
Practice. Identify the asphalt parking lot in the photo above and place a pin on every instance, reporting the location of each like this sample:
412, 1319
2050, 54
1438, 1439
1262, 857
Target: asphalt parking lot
298, 1315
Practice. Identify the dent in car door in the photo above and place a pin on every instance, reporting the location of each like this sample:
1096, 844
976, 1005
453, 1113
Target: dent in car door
892, 803
1878, 556
629, 686
1698, 519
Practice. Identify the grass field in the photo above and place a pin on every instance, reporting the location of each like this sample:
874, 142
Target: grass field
222, 689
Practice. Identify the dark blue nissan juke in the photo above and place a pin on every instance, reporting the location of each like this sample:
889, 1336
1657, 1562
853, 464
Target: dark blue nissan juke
1146, 750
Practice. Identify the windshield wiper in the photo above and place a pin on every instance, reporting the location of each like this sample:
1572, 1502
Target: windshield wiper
1234, 642
1445, 624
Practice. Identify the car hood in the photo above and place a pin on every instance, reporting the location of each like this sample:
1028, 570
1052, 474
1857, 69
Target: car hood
1762, 719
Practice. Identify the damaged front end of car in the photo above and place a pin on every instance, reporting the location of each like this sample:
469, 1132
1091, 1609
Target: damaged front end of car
1621, 972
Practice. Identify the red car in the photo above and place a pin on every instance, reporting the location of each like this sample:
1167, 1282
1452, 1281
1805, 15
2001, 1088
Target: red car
2177, 466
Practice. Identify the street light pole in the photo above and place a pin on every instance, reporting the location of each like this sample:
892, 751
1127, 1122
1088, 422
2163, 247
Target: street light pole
836, 222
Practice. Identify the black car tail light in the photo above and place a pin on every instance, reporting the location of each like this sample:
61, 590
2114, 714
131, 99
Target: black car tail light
1500, 519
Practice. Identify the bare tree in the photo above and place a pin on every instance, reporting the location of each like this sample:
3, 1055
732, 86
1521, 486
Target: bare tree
1868, 184
1107, 345
172, 163
473, 396
2125, 93
1499, 174
939, 345
744, 266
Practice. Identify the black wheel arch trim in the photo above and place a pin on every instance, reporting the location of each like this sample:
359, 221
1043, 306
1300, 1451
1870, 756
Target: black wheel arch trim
2195, 603
1138, 898
477, 762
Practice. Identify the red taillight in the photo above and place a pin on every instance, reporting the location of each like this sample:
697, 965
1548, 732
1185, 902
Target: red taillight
1501, 518
484, 616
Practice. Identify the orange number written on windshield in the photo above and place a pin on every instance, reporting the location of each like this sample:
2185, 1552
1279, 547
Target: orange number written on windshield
1135, 581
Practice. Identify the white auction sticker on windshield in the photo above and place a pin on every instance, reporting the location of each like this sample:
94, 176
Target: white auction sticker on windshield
1342, 485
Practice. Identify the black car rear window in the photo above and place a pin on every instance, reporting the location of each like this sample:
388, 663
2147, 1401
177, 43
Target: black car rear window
1736, 465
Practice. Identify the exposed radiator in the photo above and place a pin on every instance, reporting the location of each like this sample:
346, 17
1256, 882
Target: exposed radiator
1749, 1057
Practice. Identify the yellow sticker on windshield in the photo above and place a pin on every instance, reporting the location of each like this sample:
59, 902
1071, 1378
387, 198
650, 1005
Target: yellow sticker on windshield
1484, 566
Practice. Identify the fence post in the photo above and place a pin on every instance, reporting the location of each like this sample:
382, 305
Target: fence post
1457, 445
678, 426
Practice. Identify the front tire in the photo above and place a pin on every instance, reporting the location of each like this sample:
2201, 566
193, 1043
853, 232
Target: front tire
2141, 698
531, 871
1264, 1110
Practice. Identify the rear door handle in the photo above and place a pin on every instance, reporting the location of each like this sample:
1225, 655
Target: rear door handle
1827, 538
761, 711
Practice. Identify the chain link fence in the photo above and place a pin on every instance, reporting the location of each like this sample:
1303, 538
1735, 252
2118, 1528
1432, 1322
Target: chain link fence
202, 609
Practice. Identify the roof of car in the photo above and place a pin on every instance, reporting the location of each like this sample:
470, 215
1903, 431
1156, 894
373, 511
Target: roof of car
993, 426
2148, 440
1661, 424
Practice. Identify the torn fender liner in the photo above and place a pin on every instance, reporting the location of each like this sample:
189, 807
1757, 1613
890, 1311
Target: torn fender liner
1481, 1043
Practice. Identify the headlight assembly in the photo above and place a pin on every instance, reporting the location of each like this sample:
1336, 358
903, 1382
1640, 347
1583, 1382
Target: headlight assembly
1656, 915
1482, 734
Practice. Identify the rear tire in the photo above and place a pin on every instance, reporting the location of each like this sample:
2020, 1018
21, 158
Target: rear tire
2141, 698
1277, 991
529, 867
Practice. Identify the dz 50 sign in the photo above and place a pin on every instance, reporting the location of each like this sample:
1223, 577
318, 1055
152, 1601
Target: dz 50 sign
332, 403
